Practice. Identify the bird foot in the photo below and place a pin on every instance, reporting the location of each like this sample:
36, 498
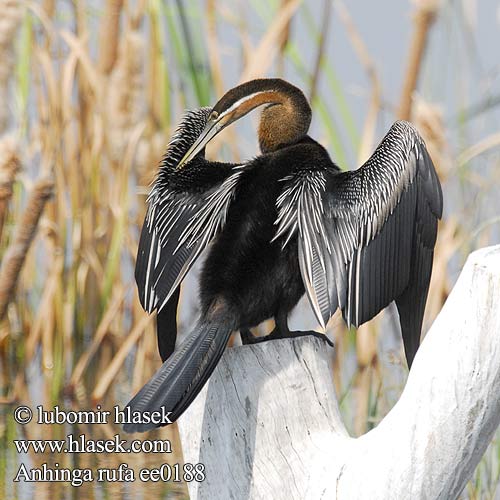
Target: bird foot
312, 333
248, 338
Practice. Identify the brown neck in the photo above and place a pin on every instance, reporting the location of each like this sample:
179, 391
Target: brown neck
285, 121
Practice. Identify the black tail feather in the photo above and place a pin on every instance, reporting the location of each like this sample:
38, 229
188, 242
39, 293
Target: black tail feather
166, 326
180, 378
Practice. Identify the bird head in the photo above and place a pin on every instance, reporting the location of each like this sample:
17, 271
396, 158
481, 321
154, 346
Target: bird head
242, 99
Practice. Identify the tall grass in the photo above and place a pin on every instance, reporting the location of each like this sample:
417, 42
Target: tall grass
89, 95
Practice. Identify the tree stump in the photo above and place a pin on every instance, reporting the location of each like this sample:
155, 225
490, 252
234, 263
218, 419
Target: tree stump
268, 426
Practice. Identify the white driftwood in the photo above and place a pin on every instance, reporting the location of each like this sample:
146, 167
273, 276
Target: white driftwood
267, 425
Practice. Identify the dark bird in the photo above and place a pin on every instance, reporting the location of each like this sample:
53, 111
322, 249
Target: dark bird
286, 223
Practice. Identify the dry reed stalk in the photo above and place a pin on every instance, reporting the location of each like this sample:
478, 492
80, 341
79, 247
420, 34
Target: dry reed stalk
106, 353
109, 35
87, 93
4, 335
142, 364
362, 387
366, 343
338, 363
213, 48
44, 326
9, 166
489, 142
146, 358
263, 55
15, 255
49, 7
157, 81
151, 355
285, 36
368, 135
366, 352
338, 330
10, 19
90, 261
102, 330
51, 95
41, 14
48, 339
78, 394
217, 73
423, 20
124, 101
16, 391
138, 14
108, 430
114, 367
428, 118
71, 137
46, 300
325, 24
261, 58
245, 39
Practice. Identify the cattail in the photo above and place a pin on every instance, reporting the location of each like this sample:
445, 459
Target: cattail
9, 165
15, 255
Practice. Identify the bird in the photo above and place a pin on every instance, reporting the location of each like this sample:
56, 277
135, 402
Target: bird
285, 223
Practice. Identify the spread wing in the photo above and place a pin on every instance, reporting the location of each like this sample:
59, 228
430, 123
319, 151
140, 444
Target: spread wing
186, 209
366, 237
178, 226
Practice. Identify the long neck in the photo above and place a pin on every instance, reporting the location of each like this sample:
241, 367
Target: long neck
285, 121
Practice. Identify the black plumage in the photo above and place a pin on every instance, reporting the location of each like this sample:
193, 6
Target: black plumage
164, 257
284, 223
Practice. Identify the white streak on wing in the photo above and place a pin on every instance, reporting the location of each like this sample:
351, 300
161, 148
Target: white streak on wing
212, 215
158, 254
358, 262
204, 225
151, 216
148, 271
349, 301
152, 300
311, 292
163, 207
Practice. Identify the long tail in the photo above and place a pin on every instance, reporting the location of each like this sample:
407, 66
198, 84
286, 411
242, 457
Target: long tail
182, 376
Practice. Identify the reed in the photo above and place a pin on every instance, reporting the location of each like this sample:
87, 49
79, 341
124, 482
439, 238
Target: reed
12, 12
109, 35
424, 18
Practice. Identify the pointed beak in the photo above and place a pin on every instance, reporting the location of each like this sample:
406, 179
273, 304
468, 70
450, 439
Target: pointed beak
212, 128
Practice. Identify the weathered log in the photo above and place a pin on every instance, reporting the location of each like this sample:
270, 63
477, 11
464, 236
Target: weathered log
267, 425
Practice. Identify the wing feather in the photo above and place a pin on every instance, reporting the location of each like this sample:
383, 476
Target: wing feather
186, 210
184, 214
366, 237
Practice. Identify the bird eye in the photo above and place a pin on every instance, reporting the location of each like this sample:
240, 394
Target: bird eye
214, 115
